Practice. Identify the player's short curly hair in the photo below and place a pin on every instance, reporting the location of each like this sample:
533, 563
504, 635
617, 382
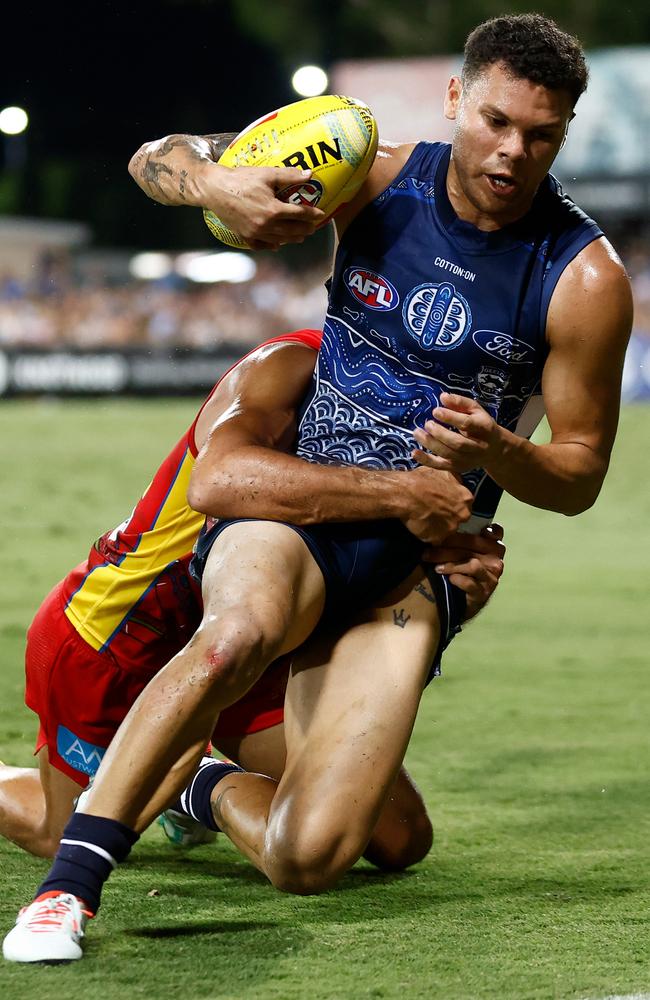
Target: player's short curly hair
532, 47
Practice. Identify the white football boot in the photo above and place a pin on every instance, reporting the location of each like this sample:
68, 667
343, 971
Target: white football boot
48, 930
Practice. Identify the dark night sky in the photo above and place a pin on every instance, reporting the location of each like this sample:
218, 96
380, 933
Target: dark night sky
98, 79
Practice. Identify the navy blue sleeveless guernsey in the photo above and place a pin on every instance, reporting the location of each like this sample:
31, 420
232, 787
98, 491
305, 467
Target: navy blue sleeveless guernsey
421, 303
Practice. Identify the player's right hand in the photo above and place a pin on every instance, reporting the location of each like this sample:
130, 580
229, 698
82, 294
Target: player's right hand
473, 563
245, 199
437, 504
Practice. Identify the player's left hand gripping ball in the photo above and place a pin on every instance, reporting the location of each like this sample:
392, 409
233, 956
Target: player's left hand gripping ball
334, 137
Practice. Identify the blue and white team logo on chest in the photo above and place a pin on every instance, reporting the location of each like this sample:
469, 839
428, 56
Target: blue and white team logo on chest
436, 315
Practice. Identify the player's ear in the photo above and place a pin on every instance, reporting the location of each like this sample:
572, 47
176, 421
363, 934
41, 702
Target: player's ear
452, 97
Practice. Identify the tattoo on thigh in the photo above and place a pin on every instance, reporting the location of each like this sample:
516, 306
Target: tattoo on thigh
426, 592
400, 617
181, 183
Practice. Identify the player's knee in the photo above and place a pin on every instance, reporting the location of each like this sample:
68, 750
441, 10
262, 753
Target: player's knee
231, 648
306, 872
307, 862
408, 841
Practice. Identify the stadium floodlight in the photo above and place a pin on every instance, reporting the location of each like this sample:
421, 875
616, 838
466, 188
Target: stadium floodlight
213, 267
151, 266
13, 120
309, 81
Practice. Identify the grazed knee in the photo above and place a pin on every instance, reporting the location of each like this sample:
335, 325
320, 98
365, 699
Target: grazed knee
229, 653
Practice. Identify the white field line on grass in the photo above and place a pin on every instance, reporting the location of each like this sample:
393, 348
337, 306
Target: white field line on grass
626, 996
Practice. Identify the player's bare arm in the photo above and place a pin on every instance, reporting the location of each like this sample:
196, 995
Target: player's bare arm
183, 170
240, 471
588, 327
168, 169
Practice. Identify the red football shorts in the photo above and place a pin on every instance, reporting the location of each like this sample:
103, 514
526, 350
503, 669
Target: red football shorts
81, 696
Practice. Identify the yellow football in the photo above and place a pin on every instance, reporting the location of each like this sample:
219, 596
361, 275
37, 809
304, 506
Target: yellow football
334, 137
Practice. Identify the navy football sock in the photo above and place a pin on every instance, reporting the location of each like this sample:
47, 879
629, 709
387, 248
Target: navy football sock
90, 848
195, 800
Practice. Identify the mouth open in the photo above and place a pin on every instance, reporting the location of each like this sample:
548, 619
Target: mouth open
501, 184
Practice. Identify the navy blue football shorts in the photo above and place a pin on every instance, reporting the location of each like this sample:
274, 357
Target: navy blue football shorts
361, 561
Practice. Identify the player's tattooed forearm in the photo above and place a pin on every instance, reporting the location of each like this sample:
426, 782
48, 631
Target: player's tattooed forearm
219, 142
197, 147
400, 618
152, 170
138, 158
151, 173
159, 179
165, 146
426, 591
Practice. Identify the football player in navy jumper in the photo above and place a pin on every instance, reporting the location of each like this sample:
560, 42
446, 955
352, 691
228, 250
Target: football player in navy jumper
499, 298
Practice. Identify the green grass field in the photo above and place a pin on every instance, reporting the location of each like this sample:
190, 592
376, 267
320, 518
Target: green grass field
532, 752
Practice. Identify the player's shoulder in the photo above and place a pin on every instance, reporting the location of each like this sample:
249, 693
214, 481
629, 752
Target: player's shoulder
268, 355
274, 355
582, 264
593, 294
598, 269
274, 374
274, 360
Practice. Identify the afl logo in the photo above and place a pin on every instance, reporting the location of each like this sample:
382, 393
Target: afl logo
307, 193
437, 316
371, 289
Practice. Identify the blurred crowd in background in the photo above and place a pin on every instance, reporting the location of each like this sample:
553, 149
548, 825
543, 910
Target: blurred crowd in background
60, 309
57, 309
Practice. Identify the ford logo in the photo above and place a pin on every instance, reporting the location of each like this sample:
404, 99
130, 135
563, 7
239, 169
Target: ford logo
504, 347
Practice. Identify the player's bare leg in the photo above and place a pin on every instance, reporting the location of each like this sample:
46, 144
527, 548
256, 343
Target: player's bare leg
263, 595
350, 707
403, 834
35, 805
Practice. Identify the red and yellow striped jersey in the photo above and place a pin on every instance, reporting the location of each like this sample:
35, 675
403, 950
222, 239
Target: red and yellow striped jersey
133, 593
